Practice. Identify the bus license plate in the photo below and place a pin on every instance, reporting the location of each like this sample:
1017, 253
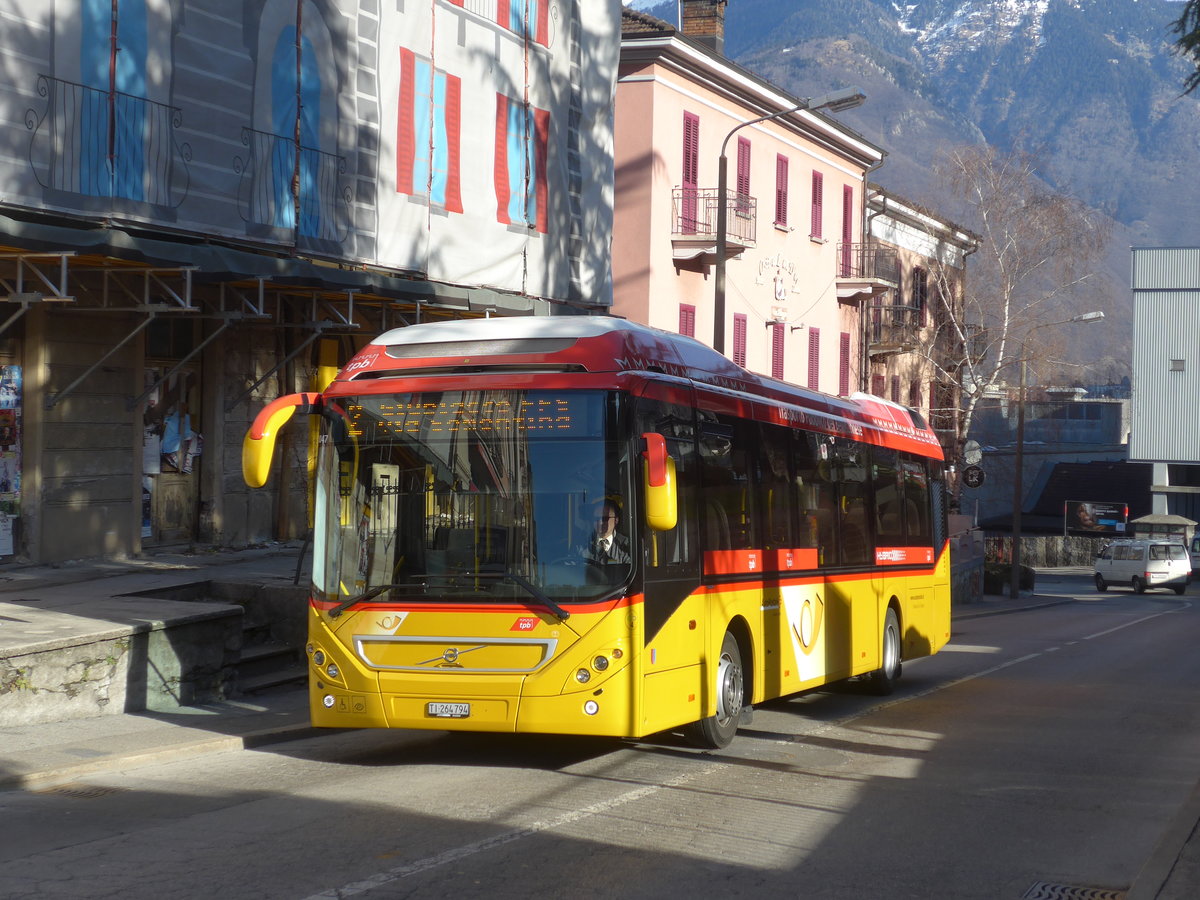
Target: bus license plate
448, 710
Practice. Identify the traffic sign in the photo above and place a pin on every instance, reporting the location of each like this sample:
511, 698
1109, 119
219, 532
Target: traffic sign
972, 476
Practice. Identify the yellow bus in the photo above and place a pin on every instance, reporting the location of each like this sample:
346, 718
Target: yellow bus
580, 525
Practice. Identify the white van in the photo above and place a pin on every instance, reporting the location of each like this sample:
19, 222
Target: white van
1144, 564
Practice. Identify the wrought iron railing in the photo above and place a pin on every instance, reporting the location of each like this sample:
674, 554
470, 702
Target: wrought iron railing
281, 189
694, 215
102, 143
895, 325
868, 261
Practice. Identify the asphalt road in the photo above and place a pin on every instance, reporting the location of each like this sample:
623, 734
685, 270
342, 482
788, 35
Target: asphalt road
1045, 748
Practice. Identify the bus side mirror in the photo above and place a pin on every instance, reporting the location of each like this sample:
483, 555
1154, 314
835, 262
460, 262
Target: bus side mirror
658, 470
258, 447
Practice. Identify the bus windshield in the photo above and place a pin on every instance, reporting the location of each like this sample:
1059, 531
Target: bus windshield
479, 496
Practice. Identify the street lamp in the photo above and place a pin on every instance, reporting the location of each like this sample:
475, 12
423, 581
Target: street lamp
836, 101
1014, 585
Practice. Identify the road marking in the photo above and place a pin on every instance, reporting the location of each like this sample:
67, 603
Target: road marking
456, 853
1167, 612
963, 648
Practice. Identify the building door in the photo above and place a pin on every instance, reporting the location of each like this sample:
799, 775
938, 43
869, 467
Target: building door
172, 437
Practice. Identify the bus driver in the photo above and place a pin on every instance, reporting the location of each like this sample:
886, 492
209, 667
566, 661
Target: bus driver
607, 545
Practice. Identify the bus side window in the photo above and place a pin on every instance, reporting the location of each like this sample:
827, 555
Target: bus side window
851, 473
916, 502
815, 498
890, 505
677, 546
774, 490
727, 449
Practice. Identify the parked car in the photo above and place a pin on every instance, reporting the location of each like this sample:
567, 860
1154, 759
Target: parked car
1143, 565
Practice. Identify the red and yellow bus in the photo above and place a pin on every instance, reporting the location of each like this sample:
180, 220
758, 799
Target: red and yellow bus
768, 539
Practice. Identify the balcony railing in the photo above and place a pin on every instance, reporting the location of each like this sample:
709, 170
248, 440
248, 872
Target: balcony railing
276, 183
102, 143
868, 262
894, 327
694, 216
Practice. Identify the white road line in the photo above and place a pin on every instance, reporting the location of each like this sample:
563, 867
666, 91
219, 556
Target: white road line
457, 853
1165, 612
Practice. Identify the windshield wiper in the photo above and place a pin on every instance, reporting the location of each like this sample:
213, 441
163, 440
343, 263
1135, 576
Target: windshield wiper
363, 598
538, 595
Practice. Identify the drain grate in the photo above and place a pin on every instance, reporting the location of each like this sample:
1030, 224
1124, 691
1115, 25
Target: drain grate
1048, 890
82, 791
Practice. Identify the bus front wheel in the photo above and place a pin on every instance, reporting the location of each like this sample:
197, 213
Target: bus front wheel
883, 679
718, 730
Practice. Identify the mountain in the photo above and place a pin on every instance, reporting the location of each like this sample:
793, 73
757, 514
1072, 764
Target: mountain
1091, 86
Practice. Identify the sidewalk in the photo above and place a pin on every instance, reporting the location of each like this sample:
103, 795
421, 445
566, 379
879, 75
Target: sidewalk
44, 608
50, 603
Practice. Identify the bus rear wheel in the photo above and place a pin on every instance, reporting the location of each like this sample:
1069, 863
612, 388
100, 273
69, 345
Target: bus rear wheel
717, 731
883, 680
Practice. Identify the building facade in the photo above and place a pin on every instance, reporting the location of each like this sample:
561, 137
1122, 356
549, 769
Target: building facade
798, 273
917, 340
1165, 430
202, 200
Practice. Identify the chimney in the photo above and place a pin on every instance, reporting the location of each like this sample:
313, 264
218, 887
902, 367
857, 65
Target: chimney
704, 21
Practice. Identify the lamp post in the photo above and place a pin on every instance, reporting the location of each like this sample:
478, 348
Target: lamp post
836, 101
1014, 585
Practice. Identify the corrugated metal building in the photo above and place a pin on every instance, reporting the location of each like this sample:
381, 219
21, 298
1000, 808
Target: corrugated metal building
1165, 429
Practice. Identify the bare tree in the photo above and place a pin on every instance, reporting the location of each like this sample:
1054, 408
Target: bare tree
1187, 26
1038, 250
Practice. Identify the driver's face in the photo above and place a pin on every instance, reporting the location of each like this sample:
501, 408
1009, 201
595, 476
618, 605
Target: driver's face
606, 521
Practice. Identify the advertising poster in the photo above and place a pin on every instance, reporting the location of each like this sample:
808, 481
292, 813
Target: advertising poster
10, 452
1084, 517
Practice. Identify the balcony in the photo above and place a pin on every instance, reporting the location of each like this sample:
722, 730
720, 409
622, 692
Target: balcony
694, 223
284, 193
99, 143
893, 330
866, 271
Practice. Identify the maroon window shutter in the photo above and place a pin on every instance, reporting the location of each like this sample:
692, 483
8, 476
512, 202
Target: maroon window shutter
691, 172
877, 385
818, 198
739, 339
777, 350
914, 395
781, 189
743, 175
814, 358
687, 320
844, 365
895, 388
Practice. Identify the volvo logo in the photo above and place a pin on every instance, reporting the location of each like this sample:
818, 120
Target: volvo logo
450, 657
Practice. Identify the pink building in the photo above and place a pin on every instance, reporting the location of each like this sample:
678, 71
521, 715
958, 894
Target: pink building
798, 274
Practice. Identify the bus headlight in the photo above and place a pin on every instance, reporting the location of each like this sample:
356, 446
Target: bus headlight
591, 707
583, 676
332, 670
328, 701
319, 658
600, 663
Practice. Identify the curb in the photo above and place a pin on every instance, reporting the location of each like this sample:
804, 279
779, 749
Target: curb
1035, 604
1156, 873
58, 775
